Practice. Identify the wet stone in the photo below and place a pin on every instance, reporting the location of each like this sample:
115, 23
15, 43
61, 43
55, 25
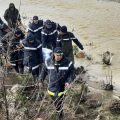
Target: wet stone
107, 58
108, 87
91, 103
80, 70
114, 107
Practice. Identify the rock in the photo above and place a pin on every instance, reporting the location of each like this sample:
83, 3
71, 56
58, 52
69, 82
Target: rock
114, 107
91, 103
80, 55
108, 87
79, 70
107, 58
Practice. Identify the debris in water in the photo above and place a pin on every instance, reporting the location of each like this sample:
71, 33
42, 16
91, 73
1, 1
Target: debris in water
108, 86
80, 70
107, 58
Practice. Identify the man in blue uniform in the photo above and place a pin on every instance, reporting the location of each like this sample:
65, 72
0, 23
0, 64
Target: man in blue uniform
36, 27
33, 57
49, 34
65, 39
61, 73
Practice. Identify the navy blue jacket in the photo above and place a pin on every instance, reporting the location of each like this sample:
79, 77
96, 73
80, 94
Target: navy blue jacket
49, 36
65, 42
32, 54
59, 73
36, 29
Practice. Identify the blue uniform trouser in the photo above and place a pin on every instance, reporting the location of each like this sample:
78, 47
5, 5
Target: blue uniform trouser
58, 102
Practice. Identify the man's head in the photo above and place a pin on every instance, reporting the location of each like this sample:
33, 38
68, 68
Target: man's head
58, 54
35, 19
30, 38
12, 6
17, 33
63, 30
48, 24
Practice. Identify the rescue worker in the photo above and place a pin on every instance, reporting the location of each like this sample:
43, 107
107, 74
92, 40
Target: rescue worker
16, 53
12, 16
49, 34
36, 27
65, 39
60, 73
33, 57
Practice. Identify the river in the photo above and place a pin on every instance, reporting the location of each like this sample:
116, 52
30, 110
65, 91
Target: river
92, 21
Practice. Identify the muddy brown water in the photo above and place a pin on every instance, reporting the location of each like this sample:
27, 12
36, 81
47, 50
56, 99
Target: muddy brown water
92, 21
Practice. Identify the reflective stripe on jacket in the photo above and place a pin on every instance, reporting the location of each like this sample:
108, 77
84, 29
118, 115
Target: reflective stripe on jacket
57, 76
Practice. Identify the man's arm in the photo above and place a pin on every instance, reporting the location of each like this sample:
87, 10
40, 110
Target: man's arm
43, 74
71, 74
58, 26
76, 41
43, 39
39, 49
58, 42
